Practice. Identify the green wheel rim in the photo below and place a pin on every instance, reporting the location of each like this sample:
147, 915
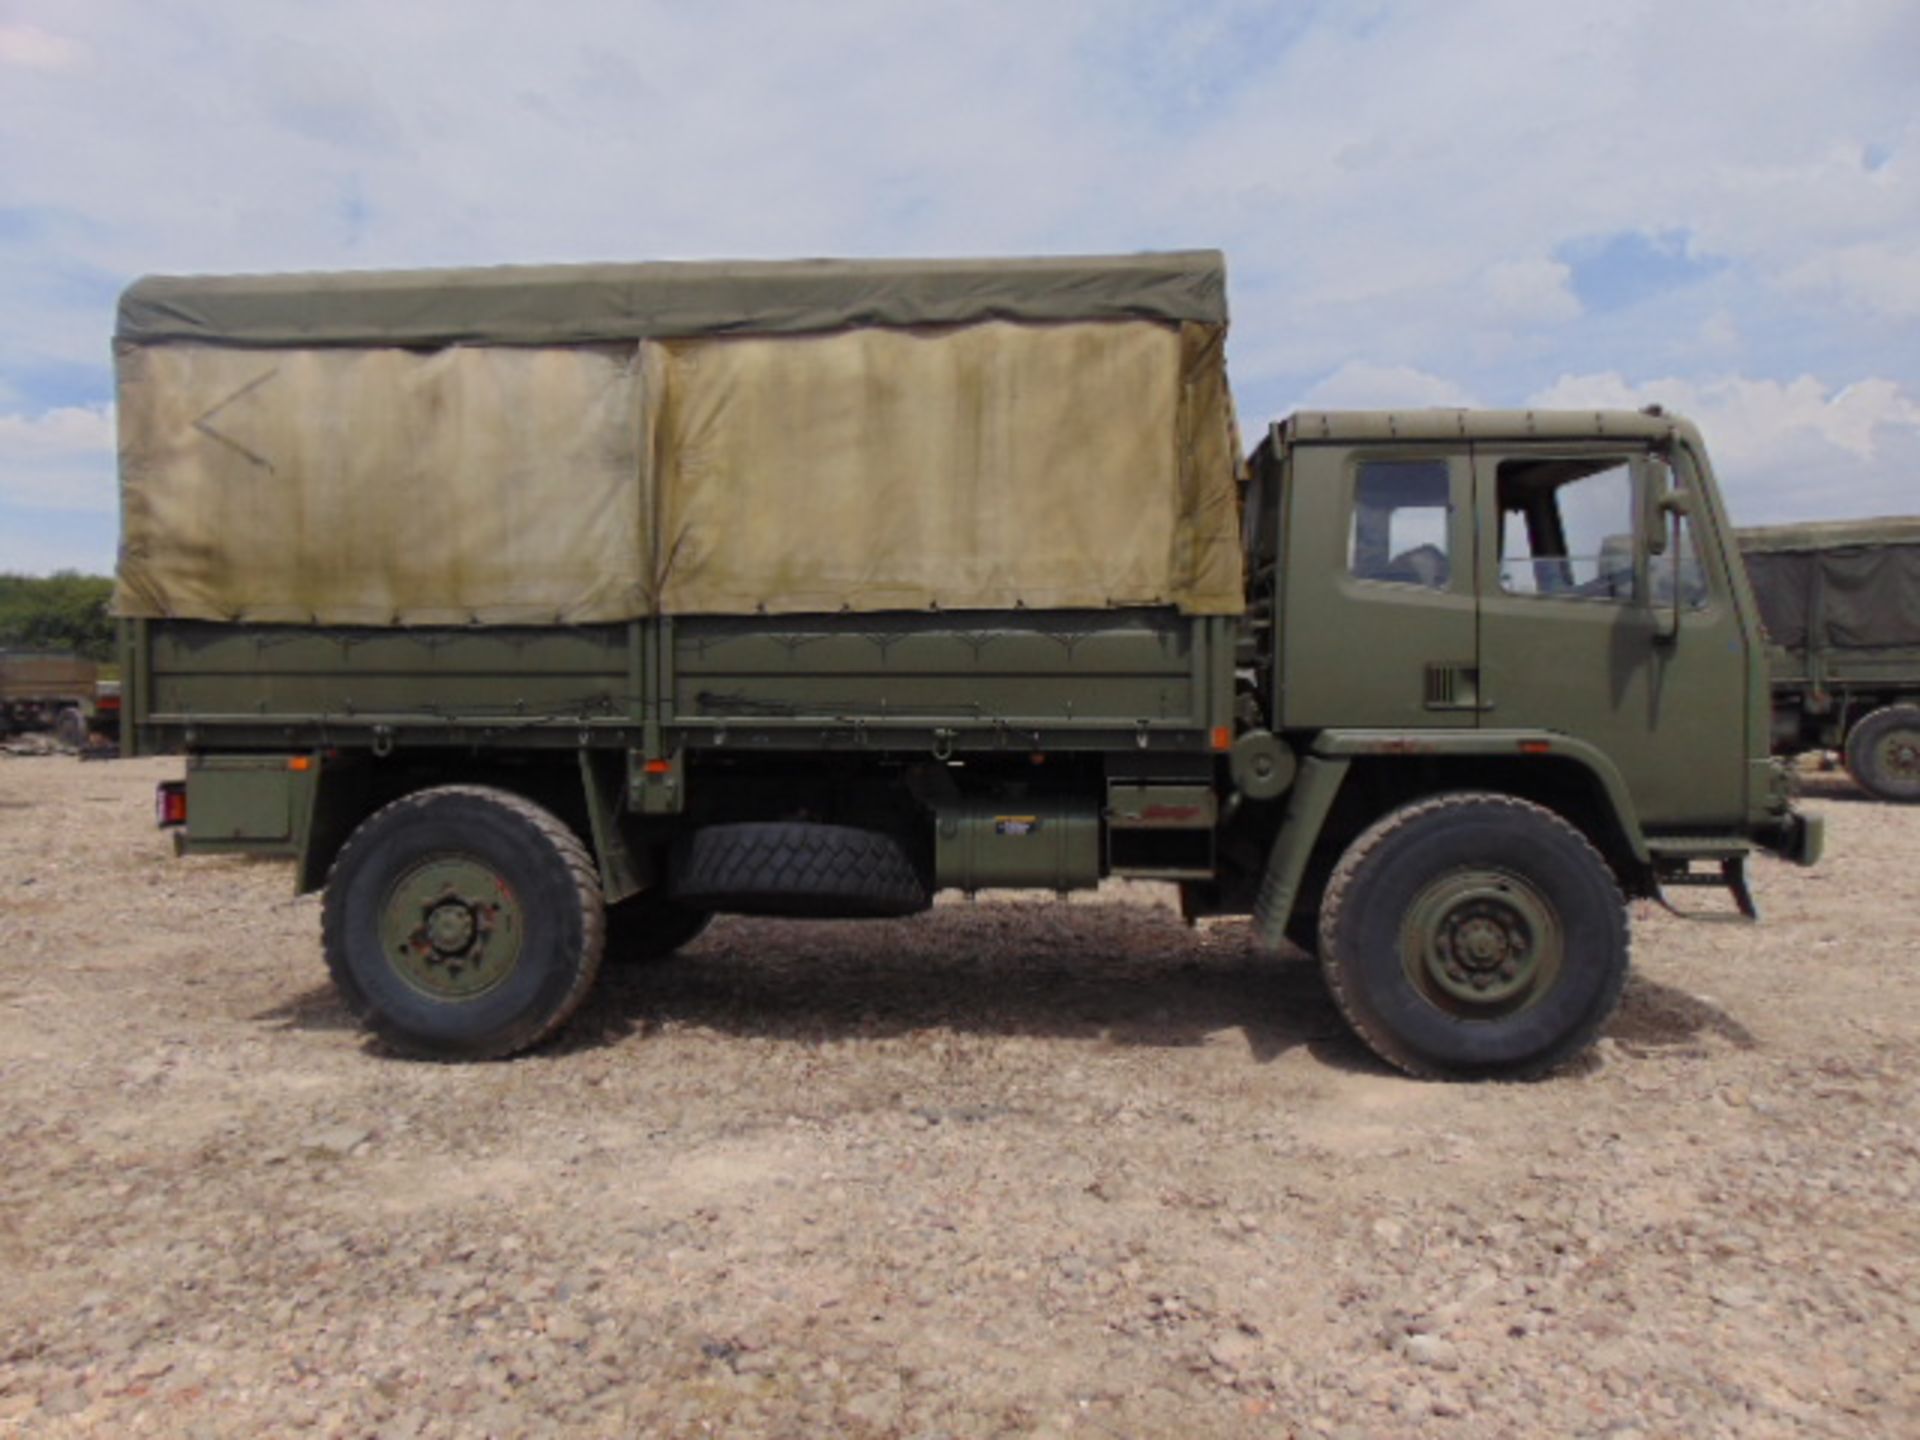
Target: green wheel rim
1482, 944
452, 927
1897, 756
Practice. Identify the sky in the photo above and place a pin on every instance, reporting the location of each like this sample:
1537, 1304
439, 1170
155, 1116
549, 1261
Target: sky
1714, 206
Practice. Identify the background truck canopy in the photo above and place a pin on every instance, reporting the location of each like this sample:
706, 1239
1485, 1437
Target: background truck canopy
553, 445
1852, 584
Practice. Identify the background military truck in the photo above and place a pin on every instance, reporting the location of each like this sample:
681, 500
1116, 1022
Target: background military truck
44, 690
537, 611
1841, 602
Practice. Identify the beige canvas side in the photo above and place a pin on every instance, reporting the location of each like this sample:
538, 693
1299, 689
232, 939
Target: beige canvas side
380, 486
990, 466
1206, 561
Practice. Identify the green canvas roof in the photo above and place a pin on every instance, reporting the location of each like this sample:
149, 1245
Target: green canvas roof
1831, 534
579, 304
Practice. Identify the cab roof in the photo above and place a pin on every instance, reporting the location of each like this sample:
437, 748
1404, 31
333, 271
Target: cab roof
1310, 426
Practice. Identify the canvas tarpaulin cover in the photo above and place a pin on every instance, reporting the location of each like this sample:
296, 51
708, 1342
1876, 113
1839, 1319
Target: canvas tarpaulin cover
1845, 584
595, 443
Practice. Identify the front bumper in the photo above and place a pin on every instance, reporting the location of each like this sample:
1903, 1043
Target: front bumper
1796, 837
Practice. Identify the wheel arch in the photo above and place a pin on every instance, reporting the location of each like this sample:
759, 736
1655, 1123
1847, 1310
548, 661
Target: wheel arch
351, 786
1570, 777
1352, 778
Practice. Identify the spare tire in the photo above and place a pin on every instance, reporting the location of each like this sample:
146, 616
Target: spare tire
799, 869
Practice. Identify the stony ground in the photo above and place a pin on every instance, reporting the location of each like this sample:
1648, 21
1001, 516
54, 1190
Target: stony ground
1014, 1168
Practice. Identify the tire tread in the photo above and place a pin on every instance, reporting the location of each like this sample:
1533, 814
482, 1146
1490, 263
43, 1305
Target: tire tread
868, 872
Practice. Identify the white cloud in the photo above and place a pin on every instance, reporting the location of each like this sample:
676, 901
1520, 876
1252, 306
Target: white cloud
1876, 278
34, 49
1359, 385
1534, 291
1792, 450
60, 460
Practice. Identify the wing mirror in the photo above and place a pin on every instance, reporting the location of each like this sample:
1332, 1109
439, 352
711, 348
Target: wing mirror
1673, 507
1658, 500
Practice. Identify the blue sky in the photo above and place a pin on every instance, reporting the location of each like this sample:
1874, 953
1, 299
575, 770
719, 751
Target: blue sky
1716, 206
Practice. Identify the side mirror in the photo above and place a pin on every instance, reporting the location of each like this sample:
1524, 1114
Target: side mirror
1653, 500
1677, 504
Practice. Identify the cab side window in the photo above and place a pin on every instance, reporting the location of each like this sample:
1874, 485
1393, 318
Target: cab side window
1566, 527
1400, 530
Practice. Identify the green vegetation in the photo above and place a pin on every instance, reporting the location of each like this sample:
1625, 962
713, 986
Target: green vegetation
62, 611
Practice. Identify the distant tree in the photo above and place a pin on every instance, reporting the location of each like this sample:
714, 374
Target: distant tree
62, 611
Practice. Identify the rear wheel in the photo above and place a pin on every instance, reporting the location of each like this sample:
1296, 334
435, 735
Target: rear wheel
463, 923
1883, 753
1474, 936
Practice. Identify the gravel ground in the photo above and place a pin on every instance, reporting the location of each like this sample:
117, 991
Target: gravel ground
1017, 1167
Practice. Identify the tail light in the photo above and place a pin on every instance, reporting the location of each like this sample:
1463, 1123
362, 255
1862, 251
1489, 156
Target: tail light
170, 804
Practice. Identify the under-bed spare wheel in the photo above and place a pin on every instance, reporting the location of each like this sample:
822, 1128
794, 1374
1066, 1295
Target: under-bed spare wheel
797, 868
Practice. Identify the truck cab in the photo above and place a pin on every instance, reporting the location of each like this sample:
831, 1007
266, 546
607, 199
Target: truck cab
1461, 579
1487, 635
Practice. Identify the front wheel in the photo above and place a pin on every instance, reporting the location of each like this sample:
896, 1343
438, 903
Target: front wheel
1474, 936
463, 923
1883, 753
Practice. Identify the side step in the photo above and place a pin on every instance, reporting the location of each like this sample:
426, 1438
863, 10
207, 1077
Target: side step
1673, 861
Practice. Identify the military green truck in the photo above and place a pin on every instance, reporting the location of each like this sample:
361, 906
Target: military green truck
57, 691
1841, 604
536, 613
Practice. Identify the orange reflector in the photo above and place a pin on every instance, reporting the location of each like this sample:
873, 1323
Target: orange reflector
1535, 747
1223, 737
300, 762
659, 767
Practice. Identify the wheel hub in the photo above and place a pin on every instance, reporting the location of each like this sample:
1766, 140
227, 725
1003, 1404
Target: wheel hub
452, 927
1900, 754
1481, 943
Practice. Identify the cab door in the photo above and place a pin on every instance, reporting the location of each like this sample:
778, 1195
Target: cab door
1379, 588
1578, 632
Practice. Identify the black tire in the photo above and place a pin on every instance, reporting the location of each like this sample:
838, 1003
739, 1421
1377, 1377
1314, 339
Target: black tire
799, 869
529, 895
1474, 936
70, 727
1883, 753
647, 928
